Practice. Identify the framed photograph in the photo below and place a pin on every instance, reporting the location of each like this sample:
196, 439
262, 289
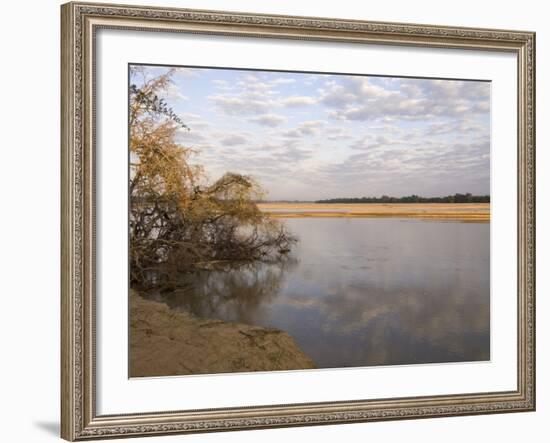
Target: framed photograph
283, 221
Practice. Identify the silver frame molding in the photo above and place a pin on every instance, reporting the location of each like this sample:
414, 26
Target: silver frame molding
79, 22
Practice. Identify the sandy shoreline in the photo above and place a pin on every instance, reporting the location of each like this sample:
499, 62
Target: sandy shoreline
166, 342
469, 212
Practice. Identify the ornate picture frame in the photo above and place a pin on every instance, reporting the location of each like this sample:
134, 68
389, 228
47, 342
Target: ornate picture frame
80, 23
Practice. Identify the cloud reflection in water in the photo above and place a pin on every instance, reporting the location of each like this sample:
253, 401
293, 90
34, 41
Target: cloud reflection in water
362, 292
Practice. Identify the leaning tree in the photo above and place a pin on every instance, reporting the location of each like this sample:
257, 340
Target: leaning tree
179, 221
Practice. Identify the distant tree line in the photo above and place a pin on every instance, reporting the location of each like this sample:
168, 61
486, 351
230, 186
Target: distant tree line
456, 198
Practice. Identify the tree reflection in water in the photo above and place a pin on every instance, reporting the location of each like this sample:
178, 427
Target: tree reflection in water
234, 293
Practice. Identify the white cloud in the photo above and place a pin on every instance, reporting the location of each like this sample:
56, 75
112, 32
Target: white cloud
240, 105
297, 101
305, 128
359, 99
190, 137
270, 120
234, 140
336, 133
173, 94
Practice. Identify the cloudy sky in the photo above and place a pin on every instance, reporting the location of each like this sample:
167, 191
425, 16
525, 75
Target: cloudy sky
315, 136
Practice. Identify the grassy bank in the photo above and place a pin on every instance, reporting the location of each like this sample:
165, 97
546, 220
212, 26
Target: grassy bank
468, 212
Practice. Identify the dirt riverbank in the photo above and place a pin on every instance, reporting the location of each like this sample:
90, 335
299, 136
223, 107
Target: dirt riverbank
166, 342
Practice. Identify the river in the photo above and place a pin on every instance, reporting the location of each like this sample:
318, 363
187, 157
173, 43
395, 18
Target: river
363, 291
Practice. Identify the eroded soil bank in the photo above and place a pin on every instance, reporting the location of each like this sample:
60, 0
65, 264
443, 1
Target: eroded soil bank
166, 342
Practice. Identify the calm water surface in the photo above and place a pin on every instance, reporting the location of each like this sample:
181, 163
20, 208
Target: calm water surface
363, 291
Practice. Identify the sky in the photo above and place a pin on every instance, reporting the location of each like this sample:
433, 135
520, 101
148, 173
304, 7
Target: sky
315, 136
